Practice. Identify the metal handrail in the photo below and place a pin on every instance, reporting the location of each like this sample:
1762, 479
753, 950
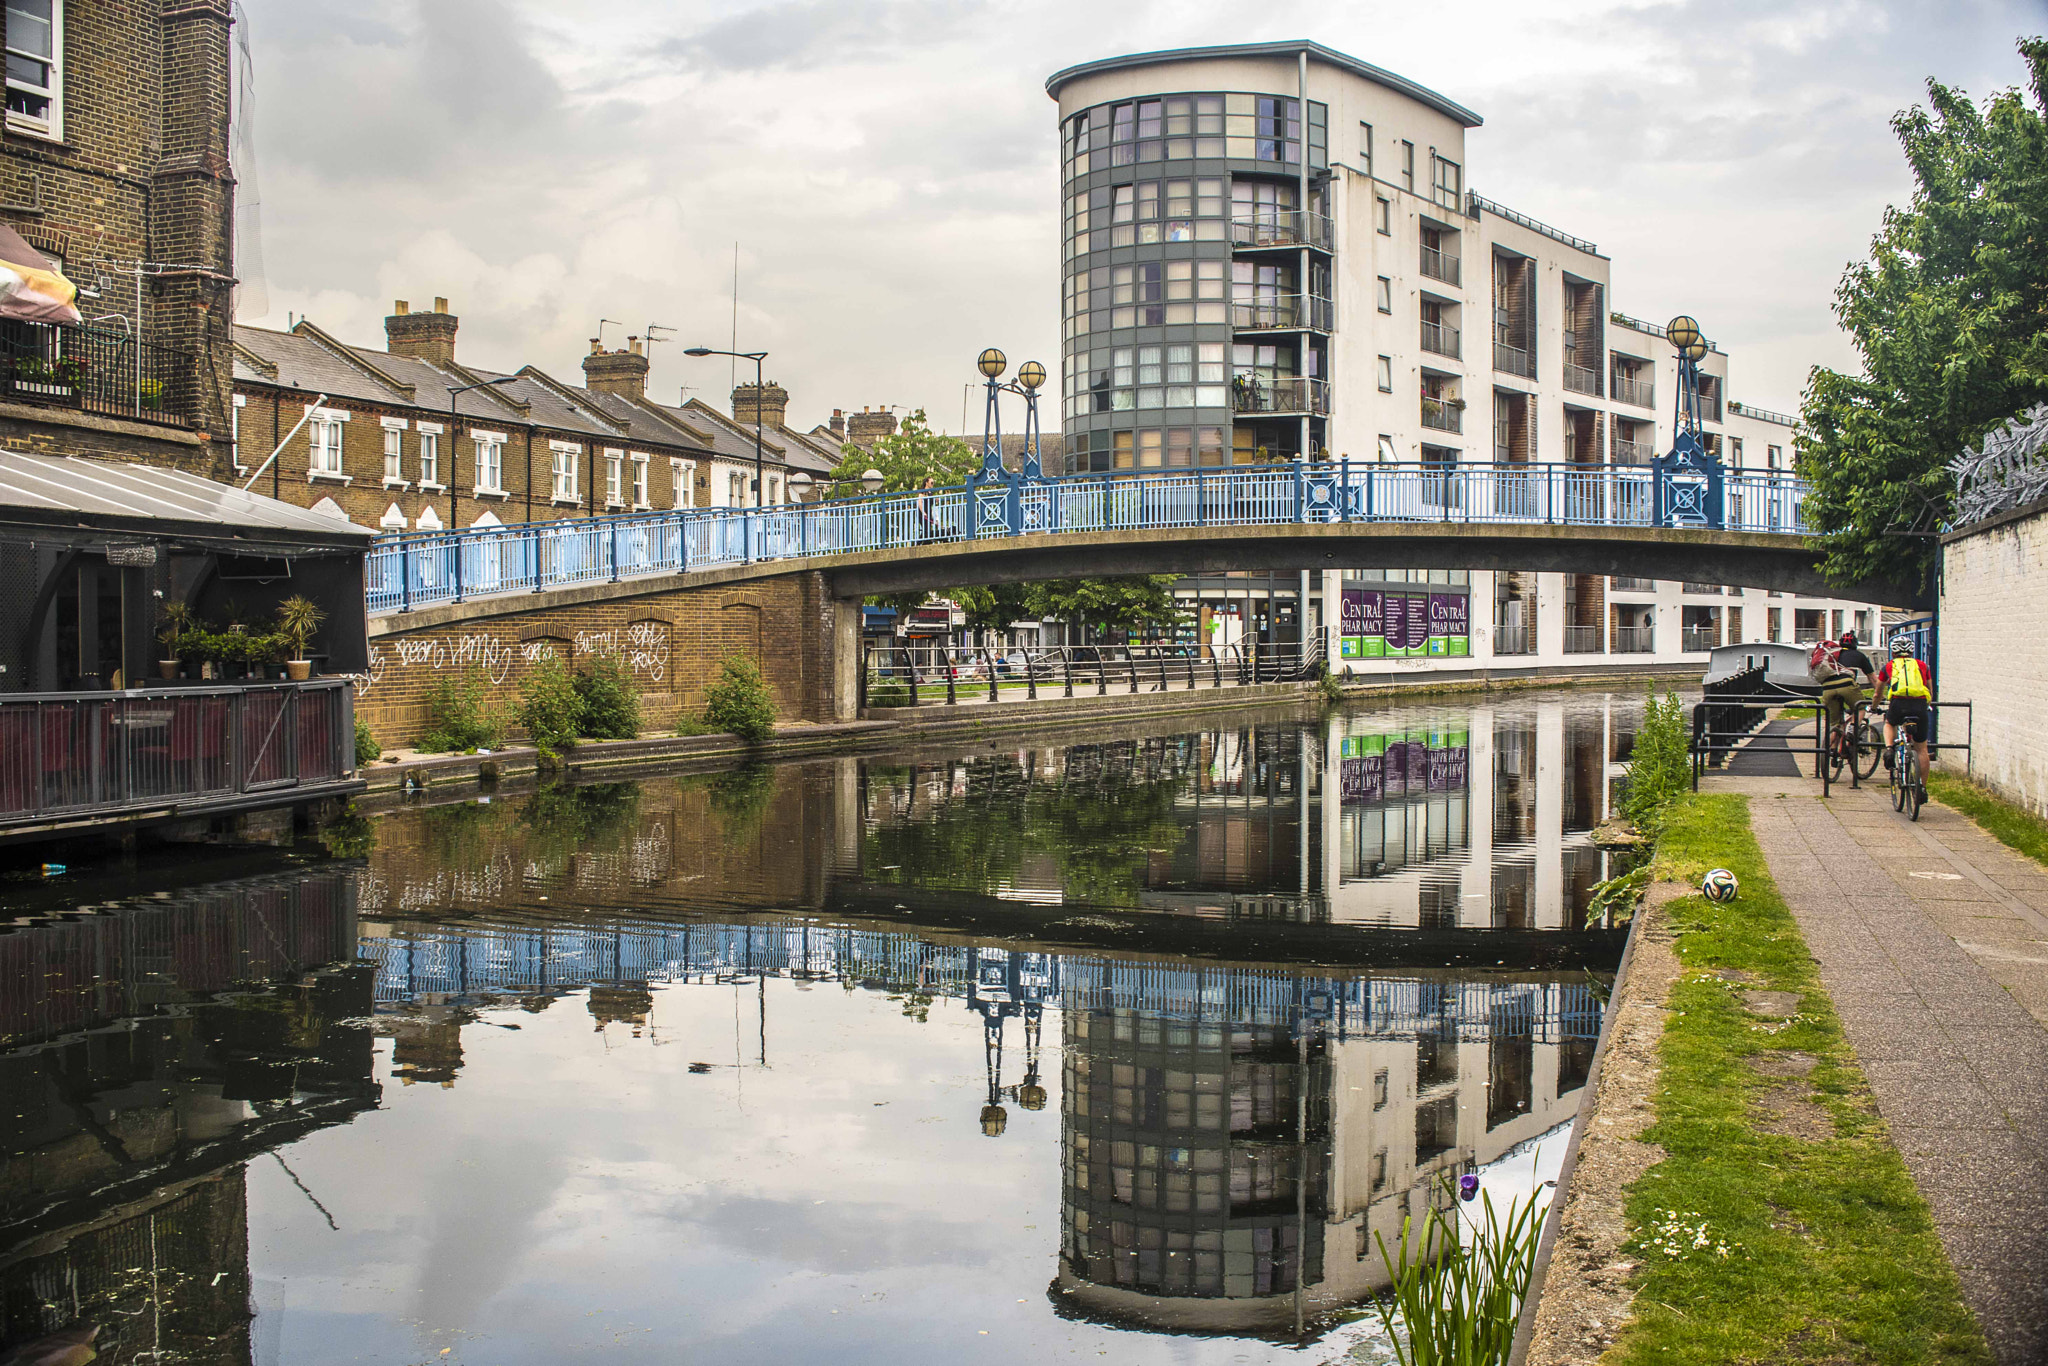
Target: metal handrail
1513, 360
54, 365
1640, 392
1284, 394
1440, 265
1285, 313
1280, 228
1582, 379
1448, 417
1441, 338
423, 568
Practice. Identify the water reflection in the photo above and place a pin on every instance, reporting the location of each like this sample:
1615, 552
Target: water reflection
1123, 1048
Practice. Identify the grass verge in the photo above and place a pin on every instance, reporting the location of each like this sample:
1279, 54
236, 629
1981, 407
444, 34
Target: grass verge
1830, 1253
2009, 824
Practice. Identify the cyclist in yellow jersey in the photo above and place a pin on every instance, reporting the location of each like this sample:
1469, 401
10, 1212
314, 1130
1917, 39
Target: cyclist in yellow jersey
1907, 684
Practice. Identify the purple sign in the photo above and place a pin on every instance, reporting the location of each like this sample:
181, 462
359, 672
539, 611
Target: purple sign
1363, 779
1415, 626
1363, 611
1396, 619
1450, 614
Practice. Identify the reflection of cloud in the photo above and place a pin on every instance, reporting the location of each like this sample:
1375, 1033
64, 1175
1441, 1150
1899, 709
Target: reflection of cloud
838, 1237
479, 1230
888, 166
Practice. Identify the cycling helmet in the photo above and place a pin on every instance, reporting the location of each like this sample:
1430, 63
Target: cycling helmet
1848, 638
1902, 647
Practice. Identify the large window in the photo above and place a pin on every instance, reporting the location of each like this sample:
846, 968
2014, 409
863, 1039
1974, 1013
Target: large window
1145, 448
1166, 375
324, 434
1145, 212
614, 477
430, 455
564, 459
684, 490
1448, 182
35, 33
1243, 127
1149, 294
640, 482
490, 463
394, 453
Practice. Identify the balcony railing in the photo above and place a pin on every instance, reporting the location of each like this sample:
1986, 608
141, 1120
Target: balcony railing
1713, 588
1623, 584
1632, 452
1286, 394
1281, 228
1806, 635
174, 749
1291, 312
1640, 392
1443, 415
1440, 265
1697, 638
96, 371
1635, 640
1441, 338
1582, 640
1513, 360
1514, 640
1581, 379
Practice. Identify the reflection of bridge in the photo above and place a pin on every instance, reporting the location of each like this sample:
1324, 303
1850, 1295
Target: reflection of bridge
468, 963
1593, 519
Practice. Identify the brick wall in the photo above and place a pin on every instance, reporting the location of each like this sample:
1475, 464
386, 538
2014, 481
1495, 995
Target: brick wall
1993, 655
673, 643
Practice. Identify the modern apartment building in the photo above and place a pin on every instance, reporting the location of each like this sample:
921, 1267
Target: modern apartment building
1272, 251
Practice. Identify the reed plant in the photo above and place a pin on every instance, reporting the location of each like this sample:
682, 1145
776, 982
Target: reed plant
1454, 1300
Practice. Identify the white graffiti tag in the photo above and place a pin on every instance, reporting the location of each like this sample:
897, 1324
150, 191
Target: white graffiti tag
485, 652
645, 647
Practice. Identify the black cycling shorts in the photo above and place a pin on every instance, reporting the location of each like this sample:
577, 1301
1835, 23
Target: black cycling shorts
1909, 711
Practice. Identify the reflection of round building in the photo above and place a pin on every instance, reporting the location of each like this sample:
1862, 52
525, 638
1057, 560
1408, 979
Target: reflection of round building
1182, 1144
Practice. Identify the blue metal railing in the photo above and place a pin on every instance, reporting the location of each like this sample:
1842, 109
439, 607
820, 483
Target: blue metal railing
405, 572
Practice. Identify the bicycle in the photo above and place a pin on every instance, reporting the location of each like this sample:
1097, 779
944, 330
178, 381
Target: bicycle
1909, 784
1856, 742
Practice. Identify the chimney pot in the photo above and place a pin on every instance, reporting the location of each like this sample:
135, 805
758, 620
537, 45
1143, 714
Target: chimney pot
596, 346
633, 344
401, 307
440, 304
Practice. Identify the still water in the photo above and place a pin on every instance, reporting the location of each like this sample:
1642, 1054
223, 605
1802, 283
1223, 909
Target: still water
1095, 1049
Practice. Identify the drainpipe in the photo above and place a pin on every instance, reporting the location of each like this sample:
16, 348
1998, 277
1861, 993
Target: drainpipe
1308, 302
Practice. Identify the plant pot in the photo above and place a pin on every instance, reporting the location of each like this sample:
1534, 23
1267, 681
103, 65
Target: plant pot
298, 670
167, 668
208, 669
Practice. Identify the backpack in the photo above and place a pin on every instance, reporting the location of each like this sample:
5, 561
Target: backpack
1825, 662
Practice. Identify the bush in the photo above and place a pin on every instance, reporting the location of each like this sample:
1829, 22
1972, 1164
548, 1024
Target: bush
550, 706
739, 702
611, 704
888, 692
1660, 768
461, 716
368, 751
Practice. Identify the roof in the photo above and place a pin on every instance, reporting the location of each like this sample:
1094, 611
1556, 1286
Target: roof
1330, 56
734, 439
74, 492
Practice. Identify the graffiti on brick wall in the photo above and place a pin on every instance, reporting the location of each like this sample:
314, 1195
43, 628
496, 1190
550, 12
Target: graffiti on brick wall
643, 645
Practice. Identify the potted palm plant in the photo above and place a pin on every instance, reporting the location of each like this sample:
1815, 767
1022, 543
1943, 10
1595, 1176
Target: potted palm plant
177, 621
297, 620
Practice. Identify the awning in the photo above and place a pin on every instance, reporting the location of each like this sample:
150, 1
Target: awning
73, 495
32, 288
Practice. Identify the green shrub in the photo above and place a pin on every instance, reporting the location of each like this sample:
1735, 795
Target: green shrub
739, 702
689, 723
888, 692
550, 706
1660, 768
461, 715
611, 704
368, 751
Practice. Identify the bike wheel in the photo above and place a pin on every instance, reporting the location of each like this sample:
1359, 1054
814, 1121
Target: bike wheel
1835, 753
1869, 748
1899, 780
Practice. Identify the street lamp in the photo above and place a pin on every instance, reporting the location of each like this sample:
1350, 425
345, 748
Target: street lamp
1030, 378
455, 446
756, 357
801, 483
1691, 345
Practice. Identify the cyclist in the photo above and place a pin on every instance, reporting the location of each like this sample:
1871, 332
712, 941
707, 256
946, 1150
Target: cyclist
1839, 688
1852, 657
1907, 683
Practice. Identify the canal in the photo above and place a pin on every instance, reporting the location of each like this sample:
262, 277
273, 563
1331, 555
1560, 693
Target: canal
1118, 1045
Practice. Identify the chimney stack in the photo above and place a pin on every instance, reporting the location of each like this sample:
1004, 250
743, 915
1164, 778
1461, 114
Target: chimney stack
770, 401
616, 372
837, 426
866, 427
423, 336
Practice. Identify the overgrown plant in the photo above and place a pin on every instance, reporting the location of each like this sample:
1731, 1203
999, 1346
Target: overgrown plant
1660, 768
461, 716
550, 707
297, 619
610, 702
740, 703
1453, 1301
368, 751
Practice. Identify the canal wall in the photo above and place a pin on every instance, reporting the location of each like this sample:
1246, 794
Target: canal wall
1992, 654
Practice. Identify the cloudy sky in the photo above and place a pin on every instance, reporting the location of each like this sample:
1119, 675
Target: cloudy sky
889, 170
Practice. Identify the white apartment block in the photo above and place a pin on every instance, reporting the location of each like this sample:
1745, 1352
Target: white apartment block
1271, 250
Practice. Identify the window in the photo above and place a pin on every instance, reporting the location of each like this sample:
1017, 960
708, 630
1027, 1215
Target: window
1379, 1089
564, 462
735, 489
614, 475
1365, 147
235, 431
1448, 179
1774, 457
640, 482
1408, 165
323, 433
684, 490
774, 489
1383, 216
490, 462
394, 454
1385, 293
1734, 452
1388, 454
430, 455
1386, 374
35, 32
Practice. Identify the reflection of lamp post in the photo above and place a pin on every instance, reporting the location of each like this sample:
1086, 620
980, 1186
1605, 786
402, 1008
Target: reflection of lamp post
756, 357
1684, 332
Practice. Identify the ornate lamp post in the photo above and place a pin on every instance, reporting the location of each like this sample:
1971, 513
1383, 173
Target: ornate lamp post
1030, 378
1684, 332
1688, 478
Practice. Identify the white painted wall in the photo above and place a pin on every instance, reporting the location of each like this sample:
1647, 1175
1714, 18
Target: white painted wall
1994, 655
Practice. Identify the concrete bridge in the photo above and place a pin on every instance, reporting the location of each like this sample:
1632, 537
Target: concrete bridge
669, 588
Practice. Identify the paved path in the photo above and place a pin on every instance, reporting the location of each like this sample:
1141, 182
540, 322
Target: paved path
1933, 940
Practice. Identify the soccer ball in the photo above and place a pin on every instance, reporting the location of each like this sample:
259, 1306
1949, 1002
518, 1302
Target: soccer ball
1718, 885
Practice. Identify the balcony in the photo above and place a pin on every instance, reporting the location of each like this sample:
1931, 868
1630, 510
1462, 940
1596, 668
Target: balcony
1621, 584
1582, 640
1632, 452
1440, 265
1513, 360
1279, 395
1635, 640
1640, 392
1440, 338
1287, 313
1713, 588
1443, 414
1696, 639
1514, 640
172, 750
1281, 228
1581, 379
91, 370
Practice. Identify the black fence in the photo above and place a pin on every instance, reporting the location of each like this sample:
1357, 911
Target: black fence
902, 675
96, 371
1724, 721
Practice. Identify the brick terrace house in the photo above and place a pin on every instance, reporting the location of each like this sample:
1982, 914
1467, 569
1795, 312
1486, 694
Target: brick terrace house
371, 435
114, 163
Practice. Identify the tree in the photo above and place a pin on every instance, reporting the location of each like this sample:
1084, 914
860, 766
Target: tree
1121, 604
914, 454
1950, 316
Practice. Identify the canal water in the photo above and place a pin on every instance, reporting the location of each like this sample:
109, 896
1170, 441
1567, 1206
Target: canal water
1123, 1045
